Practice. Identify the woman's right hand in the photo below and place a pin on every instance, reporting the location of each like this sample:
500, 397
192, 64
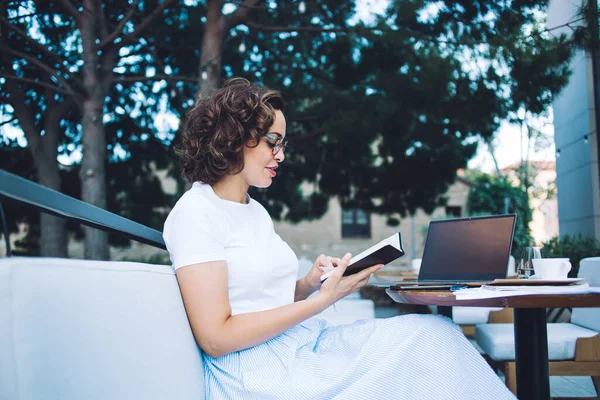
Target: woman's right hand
338, 286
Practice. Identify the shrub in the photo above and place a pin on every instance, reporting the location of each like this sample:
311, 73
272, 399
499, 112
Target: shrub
575, 247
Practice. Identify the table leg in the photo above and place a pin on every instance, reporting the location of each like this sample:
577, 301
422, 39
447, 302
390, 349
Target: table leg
531, 352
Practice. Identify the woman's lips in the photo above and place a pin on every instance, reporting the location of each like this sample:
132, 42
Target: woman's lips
272, 171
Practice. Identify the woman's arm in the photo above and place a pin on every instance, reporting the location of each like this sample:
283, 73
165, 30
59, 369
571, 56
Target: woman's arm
206, 299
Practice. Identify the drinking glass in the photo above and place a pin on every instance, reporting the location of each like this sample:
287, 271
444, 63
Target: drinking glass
525, 269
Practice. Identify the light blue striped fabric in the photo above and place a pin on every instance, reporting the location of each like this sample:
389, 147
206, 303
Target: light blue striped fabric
404, 357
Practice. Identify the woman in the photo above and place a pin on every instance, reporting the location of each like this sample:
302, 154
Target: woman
248, 313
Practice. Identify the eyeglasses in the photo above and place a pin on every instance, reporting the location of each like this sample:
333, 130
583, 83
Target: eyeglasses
276, 142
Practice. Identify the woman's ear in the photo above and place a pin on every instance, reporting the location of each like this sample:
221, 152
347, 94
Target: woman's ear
252, 142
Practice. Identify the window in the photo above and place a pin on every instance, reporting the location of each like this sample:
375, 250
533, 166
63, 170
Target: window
453, 211
356, 224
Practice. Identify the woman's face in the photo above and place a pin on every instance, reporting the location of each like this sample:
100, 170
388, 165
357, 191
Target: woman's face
259, 162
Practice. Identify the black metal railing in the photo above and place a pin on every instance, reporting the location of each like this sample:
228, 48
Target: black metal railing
19, 189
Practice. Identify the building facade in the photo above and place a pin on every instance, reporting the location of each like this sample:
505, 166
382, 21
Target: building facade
576, 136
340, 231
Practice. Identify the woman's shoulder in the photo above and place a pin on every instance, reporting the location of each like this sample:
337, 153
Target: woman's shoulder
195, 201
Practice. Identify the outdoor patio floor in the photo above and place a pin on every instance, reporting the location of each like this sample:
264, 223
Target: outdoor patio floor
572, 386
564, 386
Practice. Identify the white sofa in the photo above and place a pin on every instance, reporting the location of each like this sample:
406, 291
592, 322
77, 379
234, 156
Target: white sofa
497, 340
75, 329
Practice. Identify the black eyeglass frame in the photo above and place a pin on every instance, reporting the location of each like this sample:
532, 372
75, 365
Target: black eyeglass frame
280, 142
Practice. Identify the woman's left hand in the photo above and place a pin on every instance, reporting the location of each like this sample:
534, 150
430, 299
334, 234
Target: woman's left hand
313, 278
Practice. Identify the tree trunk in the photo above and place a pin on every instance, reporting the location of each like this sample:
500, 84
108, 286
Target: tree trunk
53, 230
44, 150
92, 174
209, 74
98, 76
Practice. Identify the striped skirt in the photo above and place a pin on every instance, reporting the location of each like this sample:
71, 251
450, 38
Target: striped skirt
404, 357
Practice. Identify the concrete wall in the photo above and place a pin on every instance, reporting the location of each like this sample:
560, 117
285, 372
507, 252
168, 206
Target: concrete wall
577, 166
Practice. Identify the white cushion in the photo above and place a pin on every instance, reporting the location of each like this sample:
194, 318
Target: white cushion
75, 329
498, 340
588, 317
472, 315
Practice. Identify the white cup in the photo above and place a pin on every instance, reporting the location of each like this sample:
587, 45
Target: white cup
415, 264
551, 268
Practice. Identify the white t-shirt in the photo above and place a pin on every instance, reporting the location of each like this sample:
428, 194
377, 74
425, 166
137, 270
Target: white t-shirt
261, 267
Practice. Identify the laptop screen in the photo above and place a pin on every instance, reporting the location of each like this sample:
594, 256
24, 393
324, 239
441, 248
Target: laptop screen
474, 248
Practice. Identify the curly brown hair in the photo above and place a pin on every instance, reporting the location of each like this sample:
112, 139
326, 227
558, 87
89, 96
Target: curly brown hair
220, 124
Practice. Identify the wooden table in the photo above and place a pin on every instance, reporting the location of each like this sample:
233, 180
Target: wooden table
531, 340
385, 278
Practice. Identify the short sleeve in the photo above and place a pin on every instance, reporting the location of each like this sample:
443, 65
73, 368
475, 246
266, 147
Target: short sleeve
194, 236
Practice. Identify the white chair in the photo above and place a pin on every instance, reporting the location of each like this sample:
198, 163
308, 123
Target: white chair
573, 348
468, 317
346, 311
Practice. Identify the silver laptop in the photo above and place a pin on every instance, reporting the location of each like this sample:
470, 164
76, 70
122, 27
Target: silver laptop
465, 250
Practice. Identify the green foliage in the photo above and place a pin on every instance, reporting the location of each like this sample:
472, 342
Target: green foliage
133, 189
380, 115
575, 247
385, 110
488, 196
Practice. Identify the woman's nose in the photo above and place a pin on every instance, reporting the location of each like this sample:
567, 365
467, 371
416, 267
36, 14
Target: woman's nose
280, 156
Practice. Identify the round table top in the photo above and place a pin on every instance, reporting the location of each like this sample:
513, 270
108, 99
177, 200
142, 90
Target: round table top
447, 298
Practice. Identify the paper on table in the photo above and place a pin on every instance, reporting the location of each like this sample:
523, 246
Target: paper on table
539, 288
483, 293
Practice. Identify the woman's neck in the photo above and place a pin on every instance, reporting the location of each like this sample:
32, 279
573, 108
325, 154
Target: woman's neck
229, 188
